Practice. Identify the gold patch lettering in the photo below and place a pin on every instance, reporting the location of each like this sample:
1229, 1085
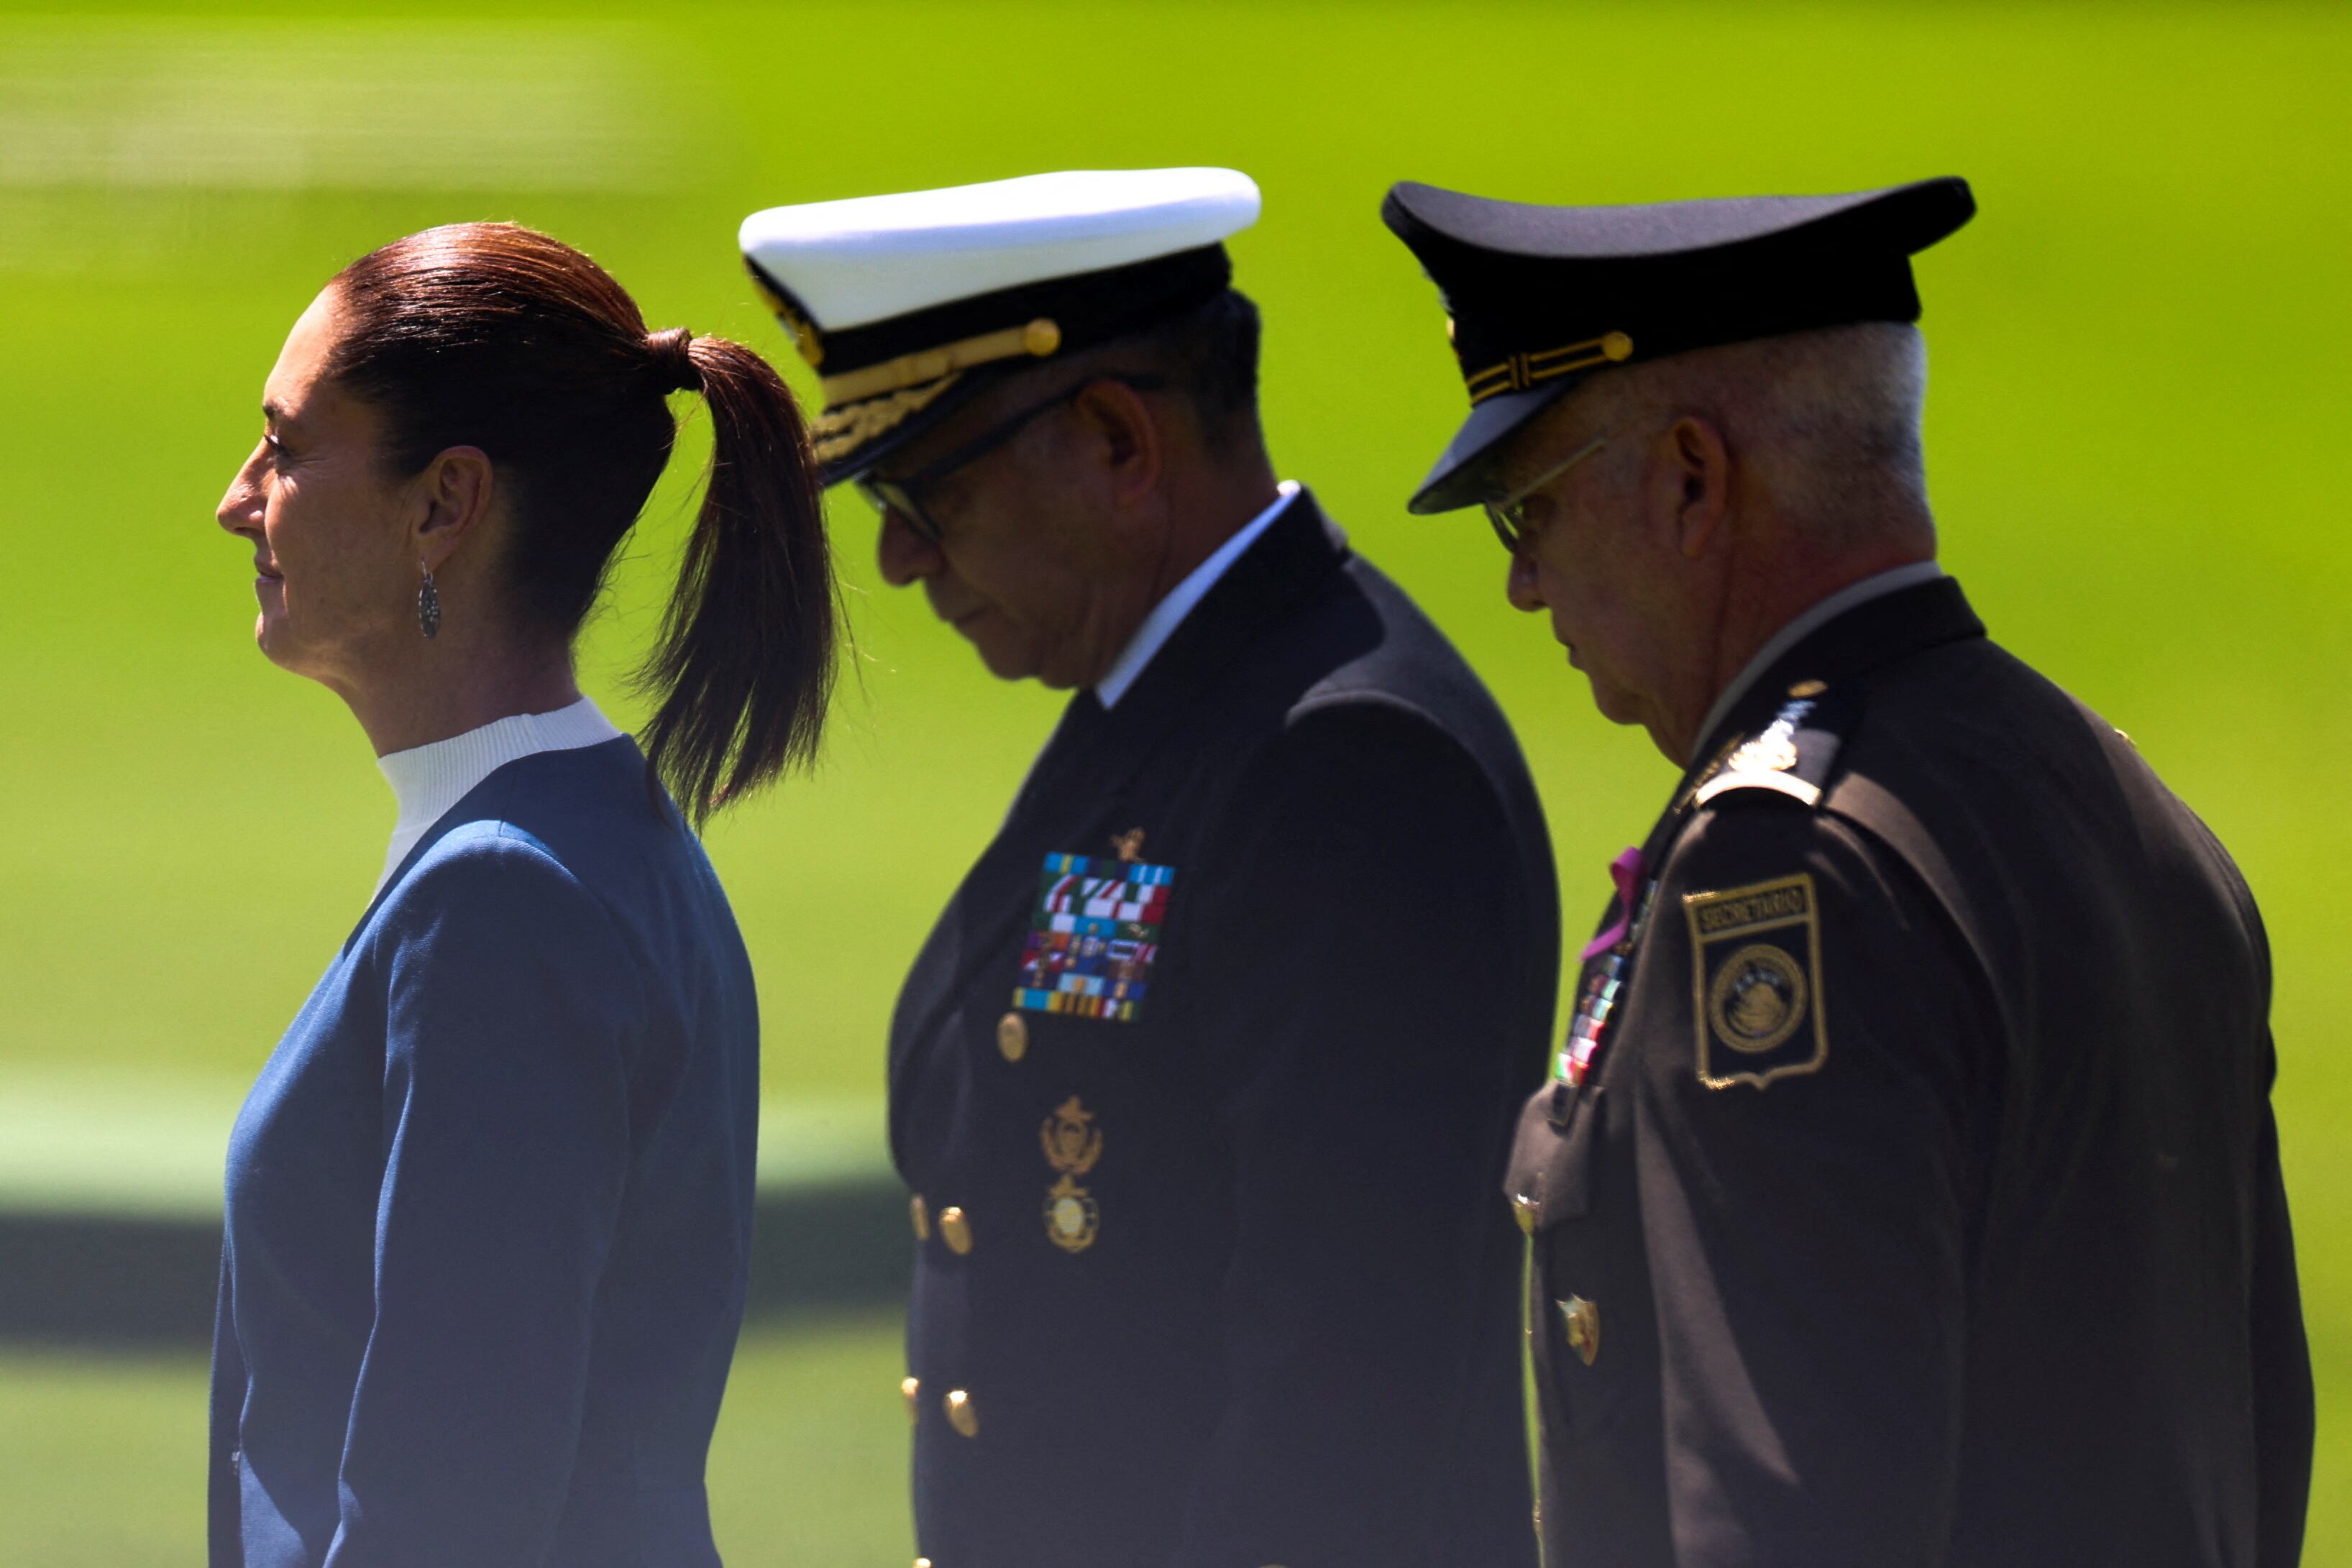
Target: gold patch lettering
1756, 984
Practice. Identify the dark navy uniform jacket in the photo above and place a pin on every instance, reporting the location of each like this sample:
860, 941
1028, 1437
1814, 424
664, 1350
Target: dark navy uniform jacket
1920, 1202
490, 1203
1204, 1141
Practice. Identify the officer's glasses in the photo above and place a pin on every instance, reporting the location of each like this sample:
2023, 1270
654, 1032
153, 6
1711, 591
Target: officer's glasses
905, 497
1509, 515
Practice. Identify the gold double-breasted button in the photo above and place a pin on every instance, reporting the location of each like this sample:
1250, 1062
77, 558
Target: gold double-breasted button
911, 1389
955, 1229
1012, 1037
962, 1415
922, 1562
920, 1213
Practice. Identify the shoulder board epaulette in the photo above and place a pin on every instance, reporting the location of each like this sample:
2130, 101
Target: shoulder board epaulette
1791, 756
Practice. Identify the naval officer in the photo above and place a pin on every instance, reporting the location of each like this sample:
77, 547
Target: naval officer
1906, 1190
1204, 1080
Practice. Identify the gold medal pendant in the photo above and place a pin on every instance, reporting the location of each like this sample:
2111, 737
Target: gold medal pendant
1581, 1319
1072, 1217
1072, 1146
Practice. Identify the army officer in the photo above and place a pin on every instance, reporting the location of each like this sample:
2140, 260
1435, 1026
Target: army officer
1905, 1191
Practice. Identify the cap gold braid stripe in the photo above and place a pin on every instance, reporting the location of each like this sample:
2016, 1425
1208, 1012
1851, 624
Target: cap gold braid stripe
1521, 372
838, 431
1038, 338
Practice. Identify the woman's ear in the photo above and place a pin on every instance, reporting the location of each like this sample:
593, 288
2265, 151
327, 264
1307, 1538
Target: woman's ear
457, 491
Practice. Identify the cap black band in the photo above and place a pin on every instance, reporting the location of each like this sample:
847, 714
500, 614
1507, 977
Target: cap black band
1088, 308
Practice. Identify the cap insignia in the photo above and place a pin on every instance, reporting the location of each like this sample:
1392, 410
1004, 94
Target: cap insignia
799, 327
804, 333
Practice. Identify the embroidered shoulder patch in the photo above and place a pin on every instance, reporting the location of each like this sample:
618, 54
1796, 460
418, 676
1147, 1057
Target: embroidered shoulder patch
1092, 938
1755, 985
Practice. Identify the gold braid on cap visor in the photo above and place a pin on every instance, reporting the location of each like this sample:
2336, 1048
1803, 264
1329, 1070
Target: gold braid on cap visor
1521, 372
838, 431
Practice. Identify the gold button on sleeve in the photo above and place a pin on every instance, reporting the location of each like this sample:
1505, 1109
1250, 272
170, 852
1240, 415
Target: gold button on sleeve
962, 1415
955, 1229
920, 1213
911, 1389
1012, 1037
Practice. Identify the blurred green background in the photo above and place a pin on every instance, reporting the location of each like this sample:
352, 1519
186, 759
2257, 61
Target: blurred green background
2135, 436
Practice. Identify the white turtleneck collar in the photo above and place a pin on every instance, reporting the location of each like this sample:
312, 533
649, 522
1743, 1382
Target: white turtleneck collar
428, 779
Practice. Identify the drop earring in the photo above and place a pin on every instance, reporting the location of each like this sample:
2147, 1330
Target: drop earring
428, 606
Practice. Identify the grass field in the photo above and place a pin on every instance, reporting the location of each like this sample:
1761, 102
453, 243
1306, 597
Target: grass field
2134, 430
808, 1468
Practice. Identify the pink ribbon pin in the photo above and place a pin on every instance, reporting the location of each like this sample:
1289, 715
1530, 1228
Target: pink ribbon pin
1625, 871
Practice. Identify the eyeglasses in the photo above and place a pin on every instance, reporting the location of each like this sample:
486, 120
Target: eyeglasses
1509, 515
904, 496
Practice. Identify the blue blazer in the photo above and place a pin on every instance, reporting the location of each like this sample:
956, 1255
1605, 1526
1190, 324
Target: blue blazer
490, 1203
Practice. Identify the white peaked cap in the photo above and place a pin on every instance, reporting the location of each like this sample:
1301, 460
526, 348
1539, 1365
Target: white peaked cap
909, 305
851, 263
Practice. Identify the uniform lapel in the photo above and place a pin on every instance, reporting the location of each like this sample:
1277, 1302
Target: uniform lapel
1093, 753
1299, 550
1076, 736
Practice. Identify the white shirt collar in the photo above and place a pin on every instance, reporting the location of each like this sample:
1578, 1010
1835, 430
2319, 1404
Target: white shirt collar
1170, 612
1804, 625
428, 779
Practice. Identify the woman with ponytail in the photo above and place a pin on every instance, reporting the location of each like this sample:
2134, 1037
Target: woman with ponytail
490, 1203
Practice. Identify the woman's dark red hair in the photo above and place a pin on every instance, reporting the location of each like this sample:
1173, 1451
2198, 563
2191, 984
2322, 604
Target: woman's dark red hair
498, 336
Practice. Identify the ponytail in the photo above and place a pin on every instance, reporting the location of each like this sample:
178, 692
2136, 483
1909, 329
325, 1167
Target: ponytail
748, 645
496, 336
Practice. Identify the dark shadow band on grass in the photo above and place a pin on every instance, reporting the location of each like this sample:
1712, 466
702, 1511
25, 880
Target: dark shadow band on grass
101, 1281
